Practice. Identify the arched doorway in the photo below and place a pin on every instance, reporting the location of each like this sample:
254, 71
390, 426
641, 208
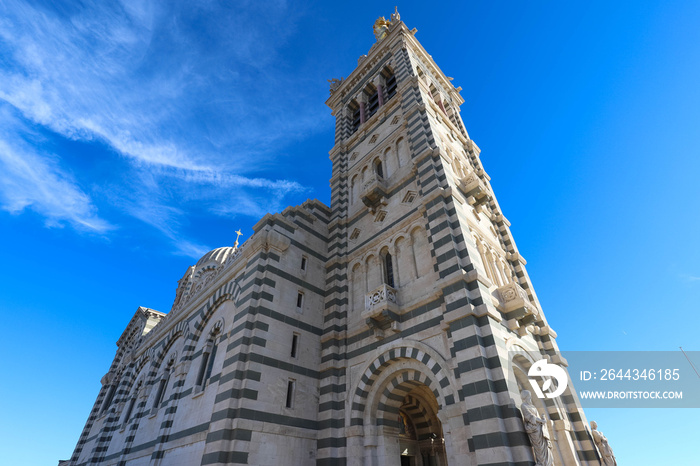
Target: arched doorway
407, 413
403, 411
421, 438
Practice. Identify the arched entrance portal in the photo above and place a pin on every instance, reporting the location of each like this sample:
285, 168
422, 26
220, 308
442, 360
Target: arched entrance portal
420, 434
407, 415
403, 412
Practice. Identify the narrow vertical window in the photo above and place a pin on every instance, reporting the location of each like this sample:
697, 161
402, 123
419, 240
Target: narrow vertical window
390, 87
109, 397
355, 119
300, 299
380, 170
206, 353
161, 391
389, 269
210, 365
290, 393
162, 387
295, 343
127, 413
132, 402
303, 263
372, 103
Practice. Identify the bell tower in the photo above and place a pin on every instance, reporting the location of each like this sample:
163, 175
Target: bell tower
431, 321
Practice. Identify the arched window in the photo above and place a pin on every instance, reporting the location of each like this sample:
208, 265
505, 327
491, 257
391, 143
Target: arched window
390, 80
379, 169
132, 402
110, 396
353, 189
454, 116
163, 385
205, 368
505, 271
354, 108
372, 100
436, 97
388, 270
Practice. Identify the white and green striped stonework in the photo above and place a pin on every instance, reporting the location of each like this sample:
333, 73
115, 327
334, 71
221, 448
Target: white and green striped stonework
394, 328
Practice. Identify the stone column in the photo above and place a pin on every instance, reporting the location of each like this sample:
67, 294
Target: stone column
380, 89
395, 265
361, 102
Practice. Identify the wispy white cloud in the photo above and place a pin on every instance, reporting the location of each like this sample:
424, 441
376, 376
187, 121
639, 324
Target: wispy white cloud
229, 180
181, 106
31, 181
122, 76
165, 219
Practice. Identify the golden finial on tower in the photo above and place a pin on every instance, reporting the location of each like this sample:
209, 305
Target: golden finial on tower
381, 28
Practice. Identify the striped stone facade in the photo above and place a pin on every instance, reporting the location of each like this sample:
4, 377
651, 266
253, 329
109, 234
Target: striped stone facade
396, 327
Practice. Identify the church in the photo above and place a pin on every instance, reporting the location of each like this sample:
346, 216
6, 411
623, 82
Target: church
396, 327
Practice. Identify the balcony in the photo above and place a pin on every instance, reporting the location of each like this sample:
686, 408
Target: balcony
474, 187
381, 308
374, 192
516, 305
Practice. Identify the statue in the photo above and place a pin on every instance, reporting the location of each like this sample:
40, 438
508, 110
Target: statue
335, 83
601, 442
238, 235
534, 426
381, 27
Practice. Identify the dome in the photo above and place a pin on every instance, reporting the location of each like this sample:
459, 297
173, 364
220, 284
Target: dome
218, 255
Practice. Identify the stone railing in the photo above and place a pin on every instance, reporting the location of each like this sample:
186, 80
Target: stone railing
381, 309
380, 298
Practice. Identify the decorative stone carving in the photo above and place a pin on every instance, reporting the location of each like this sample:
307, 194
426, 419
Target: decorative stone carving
473, 186
380, 296
395, 16
268, 238
515, 303
335, 83
107, 378
536, 431
606, 453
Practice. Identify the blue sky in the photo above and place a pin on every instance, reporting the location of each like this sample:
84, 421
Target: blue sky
136, 136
